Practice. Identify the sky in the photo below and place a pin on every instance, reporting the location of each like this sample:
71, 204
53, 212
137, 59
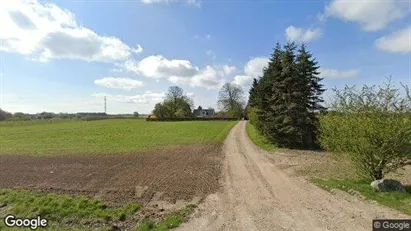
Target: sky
66, 56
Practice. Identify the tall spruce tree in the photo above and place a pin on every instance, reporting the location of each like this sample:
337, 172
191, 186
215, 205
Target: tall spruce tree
308, 69
253, 97
266, 90
288, 98
290, 107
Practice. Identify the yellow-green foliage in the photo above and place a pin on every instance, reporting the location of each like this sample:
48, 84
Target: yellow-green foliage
252, 115
371, 126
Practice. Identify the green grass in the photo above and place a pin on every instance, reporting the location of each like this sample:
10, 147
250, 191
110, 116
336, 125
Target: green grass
170, 222
63, 209
257, 138
105, 136
65, 212
396, 200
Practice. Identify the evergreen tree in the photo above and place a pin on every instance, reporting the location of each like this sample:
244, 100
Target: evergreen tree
264, 100
287, 98
308, 69
289, 104
253, 97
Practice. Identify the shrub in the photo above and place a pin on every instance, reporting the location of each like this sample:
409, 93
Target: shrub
372, 126
252, 115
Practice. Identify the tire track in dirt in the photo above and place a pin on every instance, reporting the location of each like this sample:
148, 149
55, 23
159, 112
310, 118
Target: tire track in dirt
257, 195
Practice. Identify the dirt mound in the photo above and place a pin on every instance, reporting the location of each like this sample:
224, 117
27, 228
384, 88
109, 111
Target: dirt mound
180, 172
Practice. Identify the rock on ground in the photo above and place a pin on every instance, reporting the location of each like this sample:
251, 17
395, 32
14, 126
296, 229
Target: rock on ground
387, 185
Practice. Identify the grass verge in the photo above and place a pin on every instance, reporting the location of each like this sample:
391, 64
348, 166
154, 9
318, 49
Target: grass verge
63, 209
80, 213
396, 200
257, 138
172, 221
223, 134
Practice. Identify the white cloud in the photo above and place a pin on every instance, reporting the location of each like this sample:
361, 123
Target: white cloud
118, 83
146, 98
244, 81
46, 31
229, 70
180, 71
255, 66
302, 35
332, 73
208, 77
190, 94
397, 42
159, 67
373, 15
138, 49
191, 2
252, 69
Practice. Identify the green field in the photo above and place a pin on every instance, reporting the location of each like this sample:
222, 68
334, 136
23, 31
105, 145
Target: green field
104, 136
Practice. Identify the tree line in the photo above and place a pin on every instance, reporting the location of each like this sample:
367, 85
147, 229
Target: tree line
284, 103
20, 116
177, 104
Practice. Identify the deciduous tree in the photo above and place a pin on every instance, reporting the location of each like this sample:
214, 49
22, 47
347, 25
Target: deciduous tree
231, 100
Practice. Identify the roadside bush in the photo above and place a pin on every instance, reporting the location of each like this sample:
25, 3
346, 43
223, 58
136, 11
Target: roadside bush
372, 126
252, 115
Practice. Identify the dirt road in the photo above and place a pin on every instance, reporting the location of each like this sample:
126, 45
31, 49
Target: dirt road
257, 195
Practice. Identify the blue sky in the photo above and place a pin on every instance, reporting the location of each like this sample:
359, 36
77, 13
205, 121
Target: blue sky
65, 56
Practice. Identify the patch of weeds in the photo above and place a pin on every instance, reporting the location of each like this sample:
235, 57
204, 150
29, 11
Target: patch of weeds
3, 227
64, 210
396, 200
257, 138
170, 222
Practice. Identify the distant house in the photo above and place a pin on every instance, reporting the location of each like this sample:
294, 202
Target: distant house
200, 112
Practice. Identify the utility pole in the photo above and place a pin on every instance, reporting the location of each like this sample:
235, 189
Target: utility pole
105, 104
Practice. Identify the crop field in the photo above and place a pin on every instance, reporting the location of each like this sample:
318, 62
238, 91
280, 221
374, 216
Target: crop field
104, 136
137, 174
